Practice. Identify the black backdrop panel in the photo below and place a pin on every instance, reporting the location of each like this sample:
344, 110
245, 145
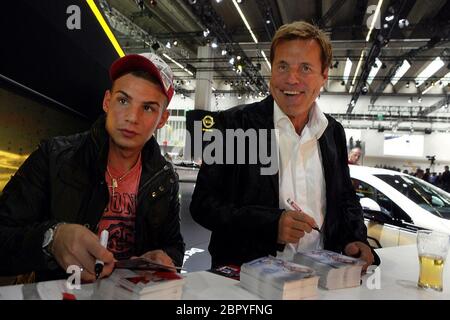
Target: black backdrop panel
41, 53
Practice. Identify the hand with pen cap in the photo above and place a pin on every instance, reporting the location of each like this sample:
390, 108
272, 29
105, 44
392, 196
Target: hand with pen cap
75, 244
293, 225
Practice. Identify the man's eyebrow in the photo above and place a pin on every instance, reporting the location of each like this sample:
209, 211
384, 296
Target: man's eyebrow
151, 102
143, 102
125, 94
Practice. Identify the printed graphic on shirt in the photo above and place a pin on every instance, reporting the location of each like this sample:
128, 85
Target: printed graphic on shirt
120, 214
119, 219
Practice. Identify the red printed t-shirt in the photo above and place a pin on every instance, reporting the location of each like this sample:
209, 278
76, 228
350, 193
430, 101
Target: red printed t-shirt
120, 214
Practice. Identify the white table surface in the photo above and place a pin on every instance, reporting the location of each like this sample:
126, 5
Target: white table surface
398, 274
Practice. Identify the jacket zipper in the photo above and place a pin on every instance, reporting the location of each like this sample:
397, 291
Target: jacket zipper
165, 168
137, 247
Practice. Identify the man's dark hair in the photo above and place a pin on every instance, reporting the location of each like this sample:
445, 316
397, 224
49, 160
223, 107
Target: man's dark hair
141, 74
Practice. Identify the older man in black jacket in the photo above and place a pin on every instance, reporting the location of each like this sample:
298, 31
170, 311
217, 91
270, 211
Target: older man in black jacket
246, 210
112, 178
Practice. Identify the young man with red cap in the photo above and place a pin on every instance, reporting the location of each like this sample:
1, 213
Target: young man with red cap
112, 177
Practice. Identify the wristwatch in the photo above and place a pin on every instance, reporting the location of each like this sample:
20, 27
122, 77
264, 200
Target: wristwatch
48, 239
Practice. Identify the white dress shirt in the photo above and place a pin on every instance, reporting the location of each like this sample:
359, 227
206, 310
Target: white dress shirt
301, 175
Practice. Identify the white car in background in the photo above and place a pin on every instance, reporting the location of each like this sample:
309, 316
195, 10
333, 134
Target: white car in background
396, 205
187, 170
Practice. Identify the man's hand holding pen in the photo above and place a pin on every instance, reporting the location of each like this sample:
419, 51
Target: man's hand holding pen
293, 225
76, 245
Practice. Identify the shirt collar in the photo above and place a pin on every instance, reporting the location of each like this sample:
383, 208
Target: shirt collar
316, 125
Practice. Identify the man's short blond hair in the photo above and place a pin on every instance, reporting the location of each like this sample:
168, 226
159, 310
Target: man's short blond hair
304, 31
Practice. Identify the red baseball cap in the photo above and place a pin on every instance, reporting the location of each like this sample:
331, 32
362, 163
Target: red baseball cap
149, 62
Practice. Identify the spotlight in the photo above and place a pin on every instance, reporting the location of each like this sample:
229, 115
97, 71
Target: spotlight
410, 100
231, 61
214, 44
224, 52
205, 33
403, 23
419, 100
267, 17
168, 45
156, 46
192, 1
407, 84
364, 89
380, 38
175, 42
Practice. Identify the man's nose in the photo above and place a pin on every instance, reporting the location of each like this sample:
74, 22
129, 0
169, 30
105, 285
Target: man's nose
293, 76
133, 114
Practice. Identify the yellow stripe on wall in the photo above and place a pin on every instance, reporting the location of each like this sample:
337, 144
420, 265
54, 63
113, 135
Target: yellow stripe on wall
105, 27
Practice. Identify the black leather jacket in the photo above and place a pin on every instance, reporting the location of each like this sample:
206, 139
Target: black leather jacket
241, 207
63, 180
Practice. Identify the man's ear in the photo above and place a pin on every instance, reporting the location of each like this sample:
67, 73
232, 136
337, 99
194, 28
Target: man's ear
163, 120
106, 100
325, 75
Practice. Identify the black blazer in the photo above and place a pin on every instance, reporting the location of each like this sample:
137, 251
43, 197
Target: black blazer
240, 206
